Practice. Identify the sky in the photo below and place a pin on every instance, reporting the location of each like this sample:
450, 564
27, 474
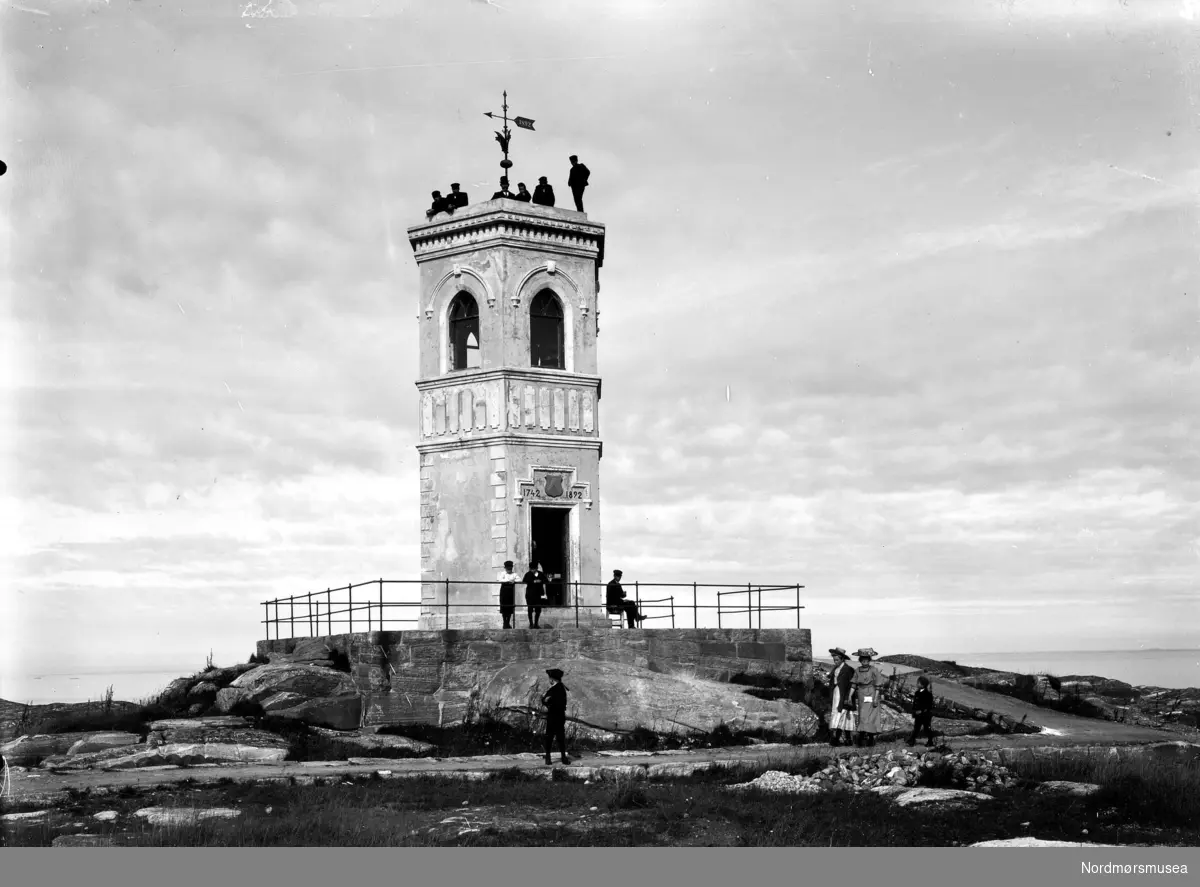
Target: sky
900, 303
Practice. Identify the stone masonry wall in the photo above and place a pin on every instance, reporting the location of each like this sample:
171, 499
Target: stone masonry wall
429, 676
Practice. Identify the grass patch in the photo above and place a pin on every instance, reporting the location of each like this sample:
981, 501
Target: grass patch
1141, 801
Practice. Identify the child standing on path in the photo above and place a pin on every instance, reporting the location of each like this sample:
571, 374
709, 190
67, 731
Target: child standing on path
555, 700
922, 703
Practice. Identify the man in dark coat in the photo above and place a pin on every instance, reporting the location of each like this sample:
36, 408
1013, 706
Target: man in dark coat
577, 181
922, 705
504, 192
616, 603
535, 593
508, 593
456, 198
555, 700
523, 195
543, 194
440, 205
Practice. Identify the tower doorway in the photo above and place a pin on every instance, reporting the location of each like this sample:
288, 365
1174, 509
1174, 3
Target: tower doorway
549, 536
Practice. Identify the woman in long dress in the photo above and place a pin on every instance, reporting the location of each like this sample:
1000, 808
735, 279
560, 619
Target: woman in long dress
868, 684
842, 716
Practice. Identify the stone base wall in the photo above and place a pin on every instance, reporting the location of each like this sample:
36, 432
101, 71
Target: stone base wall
489, 618
432, 677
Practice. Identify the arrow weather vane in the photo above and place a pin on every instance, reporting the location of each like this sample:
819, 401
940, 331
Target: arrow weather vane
504, 137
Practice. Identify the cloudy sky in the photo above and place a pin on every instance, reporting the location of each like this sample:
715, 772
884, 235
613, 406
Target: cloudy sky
898, 303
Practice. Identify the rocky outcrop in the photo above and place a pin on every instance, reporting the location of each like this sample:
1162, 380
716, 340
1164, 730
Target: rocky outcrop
376, 742
27, 751
183, 742
307, 693
953, 796
615, 697
184, 815
223, 730
94, 742
1035, 842
1062, 787
309, 651
186, 754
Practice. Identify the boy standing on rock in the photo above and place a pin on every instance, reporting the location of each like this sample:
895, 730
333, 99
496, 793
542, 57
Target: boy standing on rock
555, 700
922, 703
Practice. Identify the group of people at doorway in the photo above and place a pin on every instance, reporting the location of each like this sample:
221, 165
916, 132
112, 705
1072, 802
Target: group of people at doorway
856, 707
536, 581
543, 194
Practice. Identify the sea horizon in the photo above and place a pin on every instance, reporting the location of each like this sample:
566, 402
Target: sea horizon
1167, 667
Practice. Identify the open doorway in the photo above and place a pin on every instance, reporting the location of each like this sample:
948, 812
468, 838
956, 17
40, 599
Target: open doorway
548, 540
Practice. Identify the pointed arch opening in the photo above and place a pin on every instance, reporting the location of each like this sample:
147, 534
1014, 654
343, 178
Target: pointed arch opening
464, 333
546, 332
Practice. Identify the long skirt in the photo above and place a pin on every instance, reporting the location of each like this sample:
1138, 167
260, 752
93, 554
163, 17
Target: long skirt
868, 713
838, 719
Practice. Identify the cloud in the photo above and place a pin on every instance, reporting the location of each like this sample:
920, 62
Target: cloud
956, 348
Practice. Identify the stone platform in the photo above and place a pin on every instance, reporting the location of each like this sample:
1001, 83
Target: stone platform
434, 676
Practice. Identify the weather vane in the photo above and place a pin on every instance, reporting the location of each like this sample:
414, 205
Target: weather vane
504, 137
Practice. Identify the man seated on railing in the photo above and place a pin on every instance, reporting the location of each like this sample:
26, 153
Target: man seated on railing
616, 603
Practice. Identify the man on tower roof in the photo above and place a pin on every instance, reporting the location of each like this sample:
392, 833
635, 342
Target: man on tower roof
504, 192
440, 205
578, 180
456, 198
543, 194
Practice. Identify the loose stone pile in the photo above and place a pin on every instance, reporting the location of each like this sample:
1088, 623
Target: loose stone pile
901, 769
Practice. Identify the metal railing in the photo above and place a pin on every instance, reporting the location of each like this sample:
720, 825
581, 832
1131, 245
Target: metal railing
372, 606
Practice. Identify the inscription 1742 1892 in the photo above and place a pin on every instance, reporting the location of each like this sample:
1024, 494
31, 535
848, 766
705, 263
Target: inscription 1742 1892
554, 488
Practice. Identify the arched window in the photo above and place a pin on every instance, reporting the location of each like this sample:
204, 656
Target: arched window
464, 333
546, 332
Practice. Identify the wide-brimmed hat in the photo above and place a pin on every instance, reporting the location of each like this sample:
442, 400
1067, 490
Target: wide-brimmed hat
865, 651
839, 651
555, 673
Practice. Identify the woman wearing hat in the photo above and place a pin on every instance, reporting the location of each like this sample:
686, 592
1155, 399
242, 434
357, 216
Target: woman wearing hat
842, 714
555, 700
868, 684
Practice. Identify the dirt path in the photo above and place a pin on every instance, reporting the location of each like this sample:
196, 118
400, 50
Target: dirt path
47, 788
1069, 726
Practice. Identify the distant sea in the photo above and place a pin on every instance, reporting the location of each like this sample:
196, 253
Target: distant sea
1160, 668
128, 686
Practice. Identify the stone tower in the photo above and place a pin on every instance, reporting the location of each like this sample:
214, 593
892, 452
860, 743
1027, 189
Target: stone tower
508, 422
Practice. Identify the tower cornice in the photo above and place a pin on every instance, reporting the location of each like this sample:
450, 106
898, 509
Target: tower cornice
536, 375
511, 223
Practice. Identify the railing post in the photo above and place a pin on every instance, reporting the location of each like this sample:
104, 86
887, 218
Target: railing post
267, 619
672, 611
695, 608
350, 605
312, 630
292, 614
637, 595
749, 606
760, 608
276, 618
381, 603
718, 608
797, 604
576, 603
329, 611
448, 604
